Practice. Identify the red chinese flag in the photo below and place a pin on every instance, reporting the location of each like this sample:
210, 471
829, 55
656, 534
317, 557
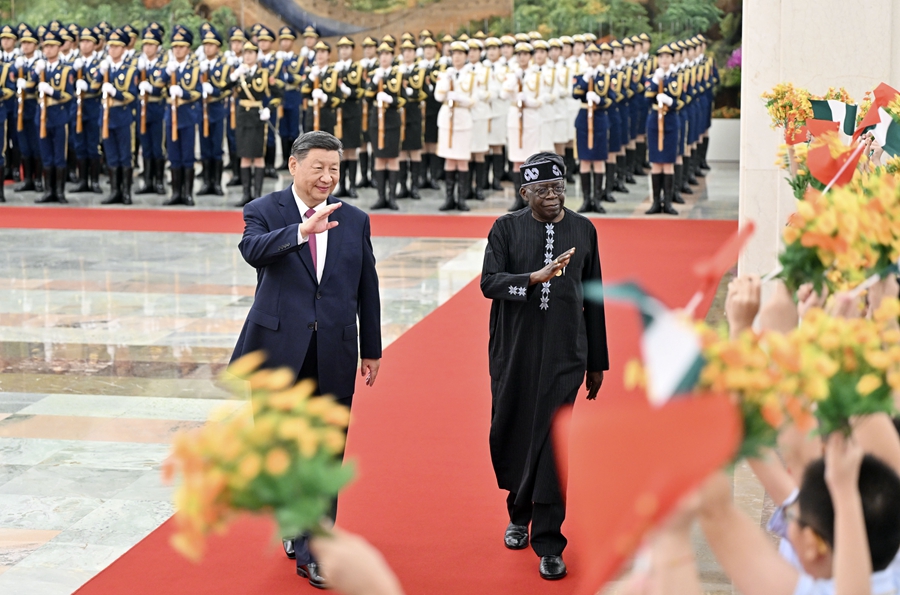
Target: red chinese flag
797, 136
883, 95
820, 127
825, 168
710, 270
627, 465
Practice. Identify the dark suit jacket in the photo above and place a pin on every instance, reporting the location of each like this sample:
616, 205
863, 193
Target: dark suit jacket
290, 303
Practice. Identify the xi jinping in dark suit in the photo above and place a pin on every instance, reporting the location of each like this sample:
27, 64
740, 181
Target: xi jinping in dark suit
316, 278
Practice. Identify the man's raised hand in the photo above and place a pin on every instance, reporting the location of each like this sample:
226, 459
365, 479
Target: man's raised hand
319, 221
549, 271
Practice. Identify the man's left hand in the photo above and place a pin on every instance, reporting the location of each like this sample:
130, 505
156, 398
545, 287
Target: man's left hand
593, 383
368, 369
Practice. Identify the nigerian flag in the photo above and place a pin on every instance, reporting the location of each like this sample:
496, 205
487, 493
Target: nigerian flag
669, 345
835, 111
887, 133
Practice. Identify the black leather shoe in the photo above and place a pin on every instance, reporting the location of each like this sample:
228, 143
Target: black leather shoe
311, 571
288, 545
516, 537
552, 568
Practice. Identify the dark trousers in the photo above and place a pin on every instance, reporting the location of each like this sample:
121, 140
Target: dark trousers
310, 369
152, 140
53, 146
546, 524
118, 147
211, 146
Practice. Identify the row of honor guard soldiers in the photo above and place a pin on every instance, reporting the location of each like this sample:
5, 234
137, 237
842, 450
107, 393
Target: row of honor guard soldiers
473, 111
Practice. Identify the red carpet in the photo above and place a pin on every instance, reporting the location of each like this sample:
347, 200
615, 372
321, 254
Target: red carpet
426, 494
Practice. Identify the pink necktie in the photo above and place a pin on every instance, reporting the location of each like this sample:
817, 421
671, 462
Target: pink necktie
312, 244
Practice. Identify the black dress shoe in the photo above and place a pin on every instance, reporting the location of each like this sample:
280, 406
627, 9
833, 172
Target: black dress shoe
552, 568
288, 545
311, 571
516, 537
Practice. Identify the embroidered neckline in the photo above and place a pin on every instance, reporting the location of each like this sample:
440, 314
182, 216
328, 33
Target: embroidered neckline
548, 258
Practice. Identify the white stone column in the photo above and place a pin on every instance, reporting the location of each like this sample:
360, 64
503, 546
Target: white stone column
815, 45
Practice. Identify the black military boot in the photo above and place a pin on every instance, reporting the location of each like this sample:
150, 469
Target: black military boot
450, 191
127, 181
380, 179
147, 173
656, 182
689, 163
94, 171
177, 197
704, 147
639, 159
351, 179
480, 174
341, 190
392, 190
587, 188
619, 183
235, 172
629, 166
610, 182
258, 175
38, 179
84, 184
59, 181
364, 181
188, 192
206, 186
285, 153
269, 170
681, 186
28, 174
436, 171
49, 188
14, 161
216, 180
415, 169
497, 163
159, 178
519, 202
464, 187
570, 164
698, 161
401, 176
115, 187
598, 192
668, 192
247, 194
429, 176
2, 198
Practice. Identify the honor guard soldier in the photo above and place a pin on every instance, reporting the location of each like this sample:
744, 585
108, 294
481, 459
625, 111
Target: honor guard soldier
592, 90
321, 92
151, 114
271, 62
7, 104
496, 64
711, 79
234, 57
119, 88
385, 97
663, 92
524, 89
308, 51
480, 111
182, 79
350, 77
65, 57
369, 63
432, 168
292, 73
636, 87
55, 84
8, 54
446, 42
411, 121
26, 125
681, 184
547, 91
214, 73
560, 87
454, 89
87, 117
252, 89
617, 134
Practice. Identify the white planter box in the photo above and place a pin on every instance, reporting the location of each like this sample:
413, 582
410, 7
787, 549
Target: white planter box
724, 140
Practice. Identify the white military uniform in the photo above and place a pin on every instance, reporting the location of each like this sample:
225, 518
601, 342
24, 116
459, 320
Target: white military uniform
481, 109
524, 90
548, 92
574, 70
562, 123
499, 105
455, 90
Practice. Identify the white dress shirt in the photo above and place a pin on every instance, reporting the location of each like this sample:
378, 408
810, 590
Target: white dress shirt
321, 238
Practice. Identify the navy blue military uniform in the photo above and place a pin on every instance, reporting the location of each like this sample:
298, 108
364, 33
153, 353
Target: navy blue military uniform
214, 74
152, 95
29, 146
87, 96
292, 74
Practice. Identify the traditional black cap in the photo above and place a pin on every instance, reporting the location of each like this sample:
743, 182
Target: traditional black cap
542, 171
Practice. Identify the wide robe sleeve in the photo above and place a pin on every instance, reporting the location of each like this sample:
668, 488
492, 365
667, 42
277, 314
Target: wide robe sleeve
595, 314
497, 283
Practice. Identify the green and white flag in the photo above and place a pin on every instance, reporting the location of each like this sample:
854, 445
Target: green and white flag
887, 133
669, 345
836, 111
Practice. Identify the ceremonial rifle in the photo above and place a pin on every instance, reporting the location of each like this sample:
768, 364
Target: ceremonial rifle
20, 123
365, 104
380, 114
339, 115
143, 104
590, 116
521, 105
204, 78
403, 112
43, 106
106, 105
451, 106
316, 109
174, 111
78, 114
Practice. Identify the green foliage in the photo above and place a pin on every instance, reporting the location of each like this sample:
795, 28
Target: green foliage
801, 265
624, 18
558, 17
844, 402
688, 17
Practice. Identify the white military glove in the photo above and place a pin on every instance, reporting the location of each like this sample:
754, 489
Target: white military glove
663, 99
20, 62
319, 95
454, 96
593, 98
588, 75
176, 92
45, 88
377, 76
82, 85
21, 84
314, 73
78, 64
171, 66
237, 72
39, 66
265, 114
103, 66
304, 51
204, 65
145, 87
346, 90
108, 89
529, 101
409, 92
207, 89
384, 98
142, 62
658, 76
279, 55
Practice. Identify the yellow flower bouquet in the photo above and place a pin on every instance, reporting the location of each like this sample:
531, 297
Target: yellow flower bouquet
282, 460
789, 108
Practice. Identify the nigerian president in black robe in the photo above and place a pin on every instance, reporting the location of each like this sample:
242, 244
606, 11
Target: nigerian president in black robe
545, 339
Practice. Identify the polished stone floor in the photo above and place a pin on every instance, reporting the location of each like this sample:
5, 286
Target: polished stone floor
111, 342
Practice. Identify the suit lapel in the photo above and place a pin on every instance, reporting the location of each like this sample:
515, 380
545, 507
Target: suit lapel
291, 214
335, 237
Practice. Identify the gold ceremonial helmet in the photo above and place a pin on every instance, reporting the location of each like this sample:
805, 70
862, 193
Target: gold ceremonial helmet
524, 47
459, 46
